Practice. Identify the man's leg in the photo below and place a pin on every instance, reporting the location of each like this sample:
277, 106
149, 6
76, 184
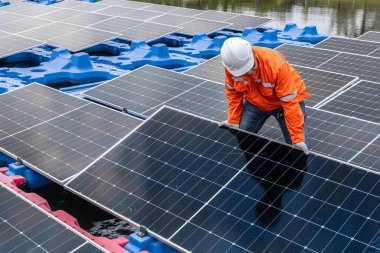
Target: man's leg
252, 118
284, 129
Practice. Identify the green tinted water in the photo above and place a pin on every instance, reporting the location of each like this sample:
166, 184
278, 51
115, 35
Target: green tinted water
335, 17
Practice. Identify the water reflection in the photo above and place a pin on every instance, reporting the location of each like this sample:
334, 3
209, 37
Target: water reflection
339, 17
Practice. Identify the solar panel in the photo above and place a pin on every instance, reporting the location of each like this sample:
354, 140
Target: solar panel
131, 4
185, 12
23, 24
240, 22
37, 10
212, 69
202, 26
161, 164
142, 15
323, 84
216, 15
87, 19
360, 101
9, 17
330, 134
171, 19
25, 227
143, 89
306, 56
61, 14
370, 156
88, 7
51, 31
207, 100
160, 8
348, 45
147, 31
16, 7
209, 189
81, 39
13, 44
116, 24
3, 34
88, 248
365, 67
370, 36
64, 138
115, 11
375, 53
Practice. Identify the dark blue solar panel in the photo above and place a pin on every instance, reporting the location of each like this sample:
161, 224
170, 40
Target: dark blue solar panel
208, 189
26, 228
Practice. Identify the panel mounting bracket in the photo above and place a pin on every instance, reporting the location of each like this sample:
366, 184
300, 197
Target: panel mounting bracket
18, 161
142, 231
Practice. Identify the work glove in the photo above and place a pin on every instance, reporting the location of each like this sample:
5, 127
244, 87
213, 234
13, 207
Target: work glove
303, 147
227, 124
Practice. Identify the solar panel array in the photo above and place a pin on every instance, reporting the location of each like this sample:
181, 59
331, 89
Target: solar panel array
31, 20
348, 45
27, 228
251, 195
56, 134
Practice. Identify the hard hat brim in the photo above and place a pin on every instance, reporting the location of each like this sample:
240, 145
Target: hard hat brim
239, 72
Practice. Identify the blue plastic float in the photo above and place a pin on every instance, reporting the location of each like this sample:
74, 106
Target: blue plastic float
4, 3
64, 67
140, 53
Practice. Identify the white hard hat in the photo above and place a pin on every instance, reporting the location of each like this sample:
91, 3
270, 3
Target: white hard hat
237, 56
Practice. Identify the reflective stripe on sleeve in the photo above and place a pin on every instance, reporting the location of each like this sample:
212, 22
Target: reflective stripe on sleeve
288, 97
237, 79
229, 86
268, 85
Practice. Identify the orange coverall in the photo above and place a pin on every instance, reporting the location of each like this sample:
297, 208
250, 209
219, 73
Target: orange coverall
275, 84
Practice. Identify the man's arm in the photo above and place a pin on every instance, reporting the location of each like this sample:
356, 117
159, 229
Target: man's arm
286, 91
235, 101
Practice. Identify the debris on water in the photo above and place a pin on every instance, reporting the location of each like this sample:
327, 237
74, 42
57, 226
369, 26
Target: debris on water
112, 228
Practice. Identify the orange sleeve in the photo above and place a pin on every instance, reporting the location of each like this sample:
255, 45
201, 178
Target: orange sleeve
234, 99
286, 91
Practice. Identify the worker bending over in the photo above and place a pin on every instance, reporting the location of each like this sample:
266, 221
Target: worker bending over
260, 83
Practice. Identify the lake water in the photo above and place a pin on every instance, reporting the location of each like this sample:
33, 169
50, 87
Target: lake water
334, 17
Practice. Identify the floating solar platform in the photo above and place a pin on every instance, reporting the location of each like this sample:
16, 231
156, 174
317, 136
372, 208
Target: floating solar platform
360, 101
159, 8
61, 15
143, 89
330, 134
26, 227
370, 36
87, 19
250, 196
307, 56
348, 45
37, 10
115, 11
365, 67
147, 31
187, 12
63, 135
81, 39
212, 70
142, 15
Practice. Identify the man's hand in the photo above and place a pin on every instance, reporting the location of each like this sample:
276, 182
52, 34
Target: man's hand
227, 124
303, 147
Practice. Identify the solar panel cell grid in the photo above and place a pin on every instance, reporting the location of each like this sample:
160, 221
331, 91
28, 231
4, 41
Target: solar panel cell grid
142, 15
370, 36
148, 31
51, 31
202, 26
242, 21
216, 15
365, 67
23, 25
370, 156
26, 228
212, 70
348, 45
116, 24
306, 56
359, 101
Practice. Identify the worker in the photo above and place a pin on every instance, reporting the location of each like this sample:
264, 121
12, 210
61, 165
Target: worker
260, 83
